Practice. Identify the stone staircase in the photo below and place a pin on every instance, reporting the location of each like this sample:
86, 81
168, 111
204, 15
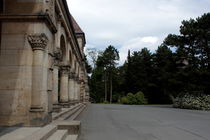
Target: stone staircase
63, 127
69, 113
61, 130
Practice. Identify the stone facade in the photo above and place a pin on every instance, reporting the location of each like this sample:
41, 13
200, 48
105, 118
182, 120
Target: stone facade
41, 61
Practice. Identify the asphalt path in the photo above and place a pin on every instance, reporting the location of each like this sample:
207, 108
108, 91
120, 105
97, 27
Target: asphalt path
121, 122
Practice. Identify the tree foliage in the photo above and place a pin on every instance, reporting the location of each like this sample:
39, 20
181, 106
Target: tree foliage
180, 64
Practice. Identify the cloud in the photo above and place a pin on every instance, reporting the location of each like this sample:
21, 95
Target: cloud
133, 24
149, 39
136, 44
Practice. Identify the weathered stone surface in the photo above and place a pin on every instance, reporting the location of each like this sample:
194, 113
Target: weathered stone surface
37, 53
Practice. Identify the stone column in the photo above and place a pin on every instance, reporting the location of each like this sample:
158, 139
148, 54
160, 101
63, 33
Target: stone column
71, 86
75, 89
57, 59
79, 90
82, 88
38, 43
55, 86
64, 95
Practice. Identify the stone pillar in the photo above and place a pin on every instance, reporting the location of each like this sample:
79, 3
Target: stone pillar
57, 59
75, 89
55, 86
82, 88
71, 87
79, 90
38, 43
64, 95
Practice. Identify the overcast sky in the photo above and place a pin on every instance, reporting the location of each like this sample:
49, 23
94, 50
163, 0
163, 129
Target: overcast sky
133, 24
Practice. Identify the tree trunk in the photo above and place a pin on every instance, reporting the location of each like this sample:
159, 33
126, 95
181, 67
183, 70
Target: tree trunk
110, 88
105, 84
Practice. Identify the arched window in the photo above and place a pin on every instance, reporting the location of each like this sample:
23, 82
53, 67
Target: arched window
63, 48
75, 66
70, 58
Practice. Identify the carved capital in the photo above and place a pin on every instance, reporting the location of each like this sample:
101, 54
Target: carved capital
76, 79
65, 70
56, 63
38, 41
57, 54
71, 75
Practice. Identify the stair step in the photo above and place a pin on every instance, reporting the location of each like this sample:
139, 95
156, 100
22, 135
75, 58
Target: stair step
68, 115
73, 127
59, 135
76, 114
18, 133
64, 111
72, 137
43, 133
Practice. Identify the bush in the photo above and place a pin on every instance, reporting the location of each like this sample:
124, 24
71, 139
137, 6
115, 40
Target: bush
132, 99
124, 100
140, 98
189, 101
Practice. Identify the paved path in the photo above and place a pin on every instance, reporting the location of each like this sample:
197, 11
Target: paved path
120, 122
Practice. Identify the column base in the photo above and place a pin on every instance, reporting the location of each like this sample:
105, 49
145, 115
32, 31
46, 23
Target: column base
56, 108
75, 101
36, 109
65, 105
39, 117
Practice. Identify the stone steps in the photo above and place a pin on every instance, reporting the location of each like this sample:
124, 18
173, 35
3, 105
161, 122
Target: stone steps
59, 135
73, 127
76, 114
64, 111
70, 114
72, 137
62, 128
43, 133
17, 133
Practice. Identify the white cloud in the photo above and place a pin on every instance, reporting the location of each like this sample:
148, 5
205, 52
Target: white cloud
136, 44
149, 39
133, 24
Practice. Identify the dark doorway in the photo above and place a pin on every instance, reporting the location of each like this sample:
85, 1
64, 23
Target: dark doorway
1, 6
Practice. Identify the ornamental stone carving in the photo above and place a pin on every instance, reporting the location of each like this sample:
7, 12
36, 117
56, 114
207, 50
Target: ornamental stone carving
71, 75
65, 70
57, 54
38, 41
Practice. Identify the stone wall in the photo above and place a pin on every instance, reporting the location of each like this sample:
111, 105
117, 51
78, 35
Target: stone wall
41, 61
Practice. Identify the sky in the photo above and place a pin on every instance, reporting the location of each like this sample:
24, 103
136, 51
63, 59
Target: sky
132, 24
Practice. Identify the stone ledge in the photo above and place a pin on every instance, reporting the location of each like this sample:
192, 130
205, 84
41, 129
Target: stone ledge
73, 127
64, 111
37, 109
43, 133
44, 17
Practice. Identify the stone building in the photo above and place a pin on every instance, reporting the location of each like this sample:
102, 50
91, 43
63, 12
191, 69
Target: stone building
41, 61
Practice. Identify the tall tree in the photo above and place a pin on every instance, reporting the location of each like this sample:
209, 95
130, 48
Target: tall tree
193, 45
108, 60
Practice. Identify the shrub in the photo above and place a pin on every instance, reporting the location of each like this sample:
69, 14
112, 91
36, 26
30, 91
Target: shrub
132, 99
140, 98
124, 100
189, 101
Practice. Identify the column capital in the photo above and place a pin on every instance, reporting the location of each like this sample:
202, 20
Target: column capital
65, 70
77, 79
57, 54
38, 41
71, 75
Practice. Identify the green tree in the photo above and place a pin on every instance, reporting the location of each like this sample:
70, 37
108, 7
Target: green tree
193, 46
108, 61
